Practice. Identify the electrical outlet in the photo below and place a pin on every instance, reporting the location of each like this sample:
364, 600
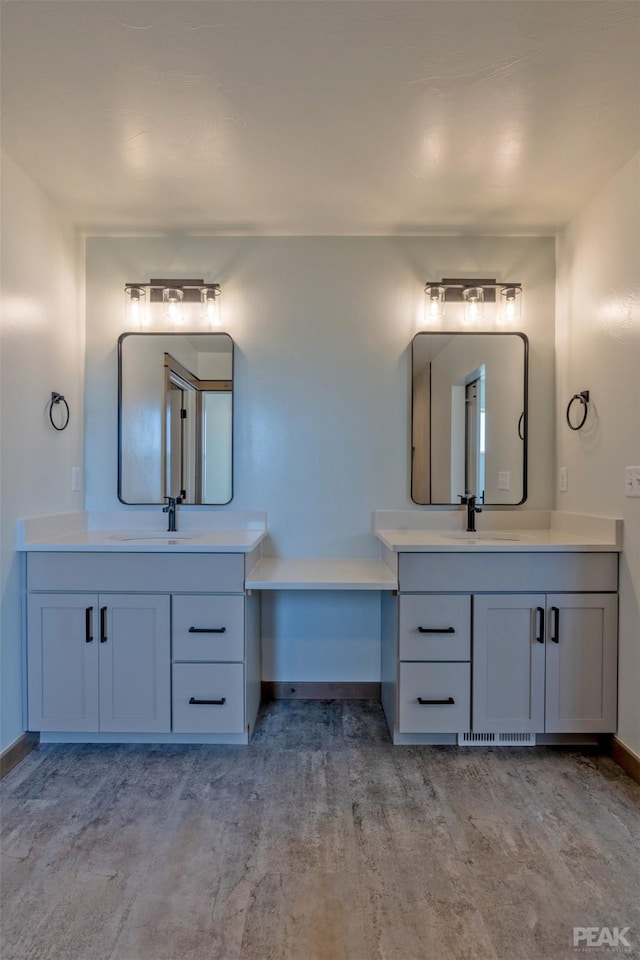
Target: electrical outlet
504, 480
76, 480
632, 481
563, 480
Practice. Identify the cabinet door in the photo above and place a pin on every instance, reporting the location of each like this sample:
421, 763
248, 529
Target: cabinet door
135, 663
63, 662
508, 663
581, 667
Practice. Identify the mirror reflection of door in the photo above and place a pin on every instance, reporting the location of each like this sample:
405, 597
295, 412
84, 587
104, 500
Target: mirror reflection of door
174, 447
182, 439
474, 437
175, 417
197, 435
465, 437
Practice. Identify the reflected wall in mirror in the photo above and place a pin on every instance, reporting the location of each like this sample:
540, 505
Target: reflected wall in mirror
175, 417
469, 417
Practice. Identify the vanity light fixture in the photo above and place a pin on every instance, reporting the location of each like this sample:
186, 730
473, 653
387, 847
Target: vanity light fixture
173, 294
509, 305
434, 307
136, 305
473, 293
210, 310
172, 306
473, 304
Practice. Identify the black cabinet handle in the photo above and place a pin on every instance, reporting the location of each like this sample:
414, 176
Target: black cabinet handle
214, 703
540, 633
207, 629
88, 625
103, 624
555, 627
436, 629
446, 702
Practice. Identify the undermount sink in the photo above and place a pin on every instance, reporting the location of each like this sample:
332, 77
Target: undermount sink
158, 535
487, 537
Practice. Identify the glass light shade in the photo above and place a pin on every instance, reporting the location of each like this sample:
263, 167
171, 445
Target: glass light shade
210, 306
434, 304
473, 304
135, 308
172, 305
509, 313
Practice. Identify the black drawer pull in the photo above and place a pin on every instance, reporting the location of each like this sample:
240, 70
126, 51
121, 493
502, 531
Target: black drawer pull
207, 629
212, 703
555, 629
540, 633
103, 624
436, 629
88, 628
446, 702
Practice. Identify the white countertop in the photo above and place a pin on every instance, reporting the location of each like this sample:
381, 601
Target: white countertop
517, 531
129, 541
311, 574
503, 541
138, 532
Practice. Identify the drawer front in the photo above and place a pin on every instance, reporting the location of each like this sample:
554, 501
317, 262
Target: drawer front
223, 619
208, 681
435, 627
480, 572
434, 681
121, 572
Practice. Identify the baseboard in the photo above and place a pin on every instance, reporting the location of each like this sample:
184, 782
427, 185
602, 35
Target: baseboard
330, 690
12, 756
626, 758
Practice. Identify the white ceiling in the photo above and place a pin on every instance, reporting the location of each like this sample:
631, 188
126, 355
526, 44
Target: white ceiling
314, 117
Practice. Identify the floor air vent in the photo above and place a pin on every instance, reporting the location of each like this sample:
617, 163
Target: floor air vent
496, 739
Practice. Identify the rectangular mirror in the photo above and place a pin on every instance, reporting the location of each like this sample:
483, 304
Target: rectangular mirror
469, 417
175, 417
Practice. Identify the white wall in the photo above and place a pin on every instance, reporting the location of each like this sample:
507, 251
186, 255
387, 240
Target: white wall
598, 349
323, 328
42, 351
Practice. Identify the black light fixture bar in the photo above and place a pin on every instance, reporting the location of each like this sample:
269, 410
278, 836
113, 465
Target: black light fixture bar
191, 288
455, 285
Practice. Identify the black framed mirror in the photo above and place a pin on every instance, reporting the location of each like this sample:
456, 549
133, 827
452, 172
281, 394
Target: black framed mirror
175, 417
469, 417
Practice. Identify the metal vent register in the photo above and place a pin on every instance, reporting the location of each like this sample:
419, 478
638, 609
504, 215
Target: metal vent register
496, 739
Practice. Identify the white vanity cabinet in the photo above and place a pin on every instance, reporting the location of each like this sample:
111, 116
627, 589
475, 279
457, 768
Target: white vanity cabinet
99, 663
545, 663
142, 644
434, 651
208, 664
477, 642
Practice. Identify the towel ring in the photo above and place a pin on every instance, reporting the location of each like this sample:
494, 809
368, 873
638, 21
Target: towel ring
583, 400
55, 399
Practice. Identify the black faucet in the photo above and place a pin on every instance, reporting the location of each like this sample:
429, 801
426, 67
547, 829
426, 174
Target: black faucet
171, 510
470, 501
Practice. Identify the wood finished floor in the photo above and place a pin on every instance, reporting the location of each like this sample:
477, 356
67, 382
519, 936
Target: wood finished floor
320, 841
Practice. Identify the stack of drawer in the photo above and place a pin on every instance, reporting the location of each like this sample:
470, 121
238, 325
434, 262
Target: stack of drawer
434, 693
208, 664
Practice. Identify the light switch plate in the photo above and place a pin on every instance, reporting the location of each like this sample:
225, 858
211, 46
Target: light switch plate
563, 480
76, 480
632, 481
504, 480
